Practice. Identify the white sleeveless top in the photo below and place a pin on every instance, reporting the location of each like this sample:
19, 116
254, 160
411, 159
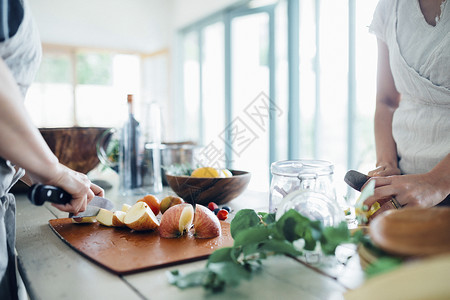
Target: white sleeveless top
419, 56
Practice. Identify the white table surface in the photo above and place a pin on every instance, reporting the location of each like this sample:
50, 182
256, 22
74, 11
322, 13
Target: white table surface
52, 270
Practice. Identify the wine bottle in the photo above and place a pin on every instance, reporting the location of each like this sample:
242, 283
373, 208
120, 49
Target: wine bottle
130, 177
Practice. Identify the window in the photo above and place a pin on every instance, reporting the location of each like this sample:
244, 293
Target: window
83, 87
313, 61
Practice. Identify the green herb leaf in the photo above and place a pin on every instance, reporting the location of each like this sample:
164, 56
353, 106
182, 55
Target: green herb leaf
221, 255
243, 219
251, 235
229, 272
192, 279
383, 265
267, 218
257, 236
333, 237
279, 247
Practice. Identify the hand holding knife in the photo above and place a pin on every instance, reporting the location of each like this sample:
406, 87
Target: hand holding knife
357, 180
40, 193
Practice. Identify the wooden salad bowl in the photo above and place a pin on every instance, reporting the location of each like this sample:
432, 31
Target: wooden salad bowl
412, 231
75, 147
205, 190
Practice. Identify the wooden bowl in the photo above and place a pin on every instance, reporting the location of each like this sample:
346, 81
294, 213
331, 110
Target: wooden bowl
205, 190
75, 147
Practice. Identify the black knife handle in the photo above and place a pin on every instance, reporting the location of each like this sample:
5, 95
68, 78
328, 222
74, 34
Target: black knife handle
39, 193
356, 179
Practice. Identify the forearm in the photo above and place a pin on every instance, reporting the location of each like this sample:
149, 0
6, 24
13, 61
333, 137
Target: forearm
388, 99
386, 148
22, 143
441, 176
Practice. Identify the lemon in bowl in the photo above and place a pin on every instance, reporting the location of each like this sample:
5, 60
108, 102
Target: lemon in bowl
209, 172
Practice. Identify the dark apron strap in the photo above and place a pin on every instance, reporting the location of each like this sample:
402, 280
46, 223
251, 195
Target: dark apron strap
8, 279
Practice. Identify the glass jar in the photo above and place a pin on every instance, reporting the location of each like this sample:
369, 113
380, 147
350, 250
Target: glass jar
313, 205
302, 174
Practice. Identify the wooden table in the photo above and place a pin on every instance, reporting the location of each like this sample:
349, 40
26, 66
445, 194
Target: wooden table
52, 270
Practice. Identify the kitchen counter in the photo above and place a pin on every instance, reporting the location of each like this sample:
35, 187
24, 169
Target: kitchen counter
52, 270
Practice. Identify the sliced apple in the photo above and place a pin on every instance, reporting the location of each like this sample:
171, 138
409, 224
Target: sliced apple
176, 221
83, 220
125, 207
140, 217
105, 217
153, 202
117, 219
206, 223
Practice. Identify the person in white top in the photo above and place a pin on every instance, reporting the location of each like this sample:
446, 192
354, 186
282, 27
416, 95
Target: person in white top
412, 117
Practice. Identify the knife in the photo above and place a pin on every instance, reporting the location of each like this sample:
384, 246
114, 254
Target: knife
40, 193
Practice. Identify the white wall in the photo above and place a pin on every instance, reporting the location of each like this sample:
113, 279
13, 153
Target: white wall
135, 25
129, 25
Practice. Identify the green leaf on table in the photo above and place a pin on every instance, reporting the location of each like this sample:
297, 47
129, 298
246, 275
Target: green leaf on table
192, 279
279, 247
383, 265
256, 237
267, 218
248, 250
243, 219
221, 255
230, 273
293, 226
251, 235
333, 237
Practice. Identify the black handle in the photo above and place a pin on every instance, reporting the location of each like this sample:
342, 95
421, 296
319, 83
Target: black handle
39, 193
356, 179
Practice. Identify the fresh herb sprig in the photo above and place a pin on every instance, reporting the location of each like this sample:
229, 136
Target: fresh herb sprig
184, 169
256, 237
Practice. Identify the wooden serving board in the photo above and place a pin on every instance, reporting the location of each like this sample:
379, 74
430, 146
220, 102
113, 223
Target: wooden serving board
123, 251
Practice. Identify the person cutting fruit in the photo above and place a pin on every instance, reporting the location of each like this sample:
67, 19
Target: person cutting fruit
412, 117
22, 147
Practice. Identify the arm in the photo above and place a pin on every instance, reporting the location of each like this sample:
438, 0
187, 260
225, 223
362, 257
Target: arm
22, 144
387, 101
424, 190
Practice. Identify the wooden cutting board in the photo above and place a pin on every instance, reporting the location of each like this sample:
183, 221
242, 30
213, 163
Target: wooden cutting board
123, 251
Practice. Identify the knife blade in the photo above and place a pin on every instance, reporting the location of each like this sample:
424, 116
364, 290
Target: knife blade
40, 193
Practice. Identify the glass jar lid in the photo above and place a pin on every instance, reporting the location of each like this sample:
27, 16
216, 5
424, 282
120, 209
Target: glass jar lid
294, 168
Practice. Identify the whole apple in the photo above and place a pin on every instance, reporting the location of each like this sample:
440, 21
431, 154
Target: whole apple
168, 202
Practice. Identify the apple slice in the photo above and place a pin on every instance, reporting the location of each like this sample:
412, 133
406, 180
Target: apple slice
83, 220
125, 207
117, 219
153, 202
105, 217
140, 217
176, 220
206, 223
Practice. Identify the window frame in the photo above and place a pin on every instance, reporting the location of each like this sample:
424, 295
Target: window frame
293, 55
